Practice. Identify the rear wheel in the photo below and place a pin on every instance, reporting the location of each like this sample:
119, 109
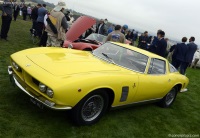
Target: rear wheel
169, 98
91, 108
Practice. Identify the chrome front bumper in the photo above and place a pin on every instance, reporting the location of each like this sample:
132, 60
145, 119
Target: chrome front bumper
184, 90
42, 100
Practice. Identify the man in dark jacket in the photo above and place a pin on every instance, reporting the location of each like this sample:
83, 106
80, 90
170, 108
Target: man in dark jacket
144, 41
135, 37
24, 12
179, 54
101, 28
192, 48
34, 13
16, 11
153, 46
34, 16
161, 45
6, 18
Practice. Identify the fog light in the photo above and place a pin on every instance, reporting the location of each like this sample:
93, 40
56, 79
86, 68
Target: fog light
42, 87
49, 92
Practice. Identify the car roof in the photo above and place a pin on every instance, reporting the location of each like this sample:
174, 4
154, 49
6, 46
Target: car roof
139, 50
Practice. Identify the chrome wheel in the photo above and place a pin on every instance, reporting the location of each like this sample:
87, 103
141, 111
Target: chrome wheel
170, 97
92, 108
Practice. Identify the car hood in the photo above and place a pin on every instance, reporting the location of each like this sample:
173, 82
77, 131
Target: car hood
82, 24
68, 62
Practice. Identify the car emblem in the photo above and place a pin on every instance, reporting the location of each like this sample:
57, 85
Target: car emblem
28, 65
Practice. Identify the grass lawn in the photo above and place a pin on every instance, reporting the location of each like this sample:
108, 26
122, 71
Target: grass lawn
20, 118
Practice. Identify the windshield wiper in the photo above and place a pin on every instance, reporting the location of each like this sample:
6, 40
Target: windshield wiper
109, 58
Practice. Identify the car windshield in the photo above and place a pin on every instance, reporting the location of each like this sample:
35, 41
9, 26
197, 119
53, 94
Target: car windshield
122, 56
97, 37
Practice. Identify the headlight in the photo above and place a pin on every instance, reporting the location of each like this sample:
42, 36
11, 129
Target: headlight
49, 92
16, 66
42, 87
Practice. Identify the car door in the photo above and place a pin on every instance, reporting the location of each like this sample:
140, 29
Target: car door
154, 84
127, 89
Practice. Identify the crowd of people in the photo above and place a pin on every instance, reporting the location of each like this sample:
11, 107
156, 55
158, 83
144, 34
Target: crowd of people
51, 28
23, 10
182, 55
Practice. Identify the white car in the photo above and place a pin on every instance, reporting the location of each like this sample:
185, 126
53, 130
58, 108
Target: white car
197, 55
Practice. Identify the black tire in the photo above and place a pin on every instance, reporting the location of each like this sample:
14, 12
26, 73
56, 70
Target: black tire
169, 98
91, 108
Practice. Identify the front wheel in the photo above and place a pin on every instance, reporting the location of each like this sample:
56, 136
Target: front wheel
169, 98
91, 108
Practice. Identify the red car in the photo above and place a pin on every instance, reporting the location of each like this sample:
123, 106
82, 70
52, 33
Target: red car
90, 43
82, 24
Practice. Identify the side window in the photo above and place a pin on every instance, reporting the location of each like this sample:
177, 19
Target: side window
157, 66
172, 68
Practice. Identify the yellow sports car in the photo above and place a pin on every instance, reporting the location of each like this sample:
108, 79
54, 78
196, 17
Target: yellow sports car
89, 83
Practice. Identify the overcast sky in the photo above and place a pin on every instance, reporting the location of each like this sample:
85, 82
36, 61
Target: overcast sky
177, 18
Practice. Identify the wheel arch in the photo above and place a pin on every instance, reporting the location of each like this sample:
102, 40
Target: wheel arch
178, 87
110, 93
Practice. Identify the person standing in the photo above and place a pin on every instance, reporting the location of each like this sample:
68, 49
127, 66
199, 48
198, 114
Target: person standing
29, 10
134, 39
124, 29
34, 16
192, 48
179, 54
101, 28
170, 54
60, 24
106, 27
128, 35
6, 18
116, 36
144, 40
40, 19
139, 39
161, 44
16, 10
153, 46
89, 31
24, 12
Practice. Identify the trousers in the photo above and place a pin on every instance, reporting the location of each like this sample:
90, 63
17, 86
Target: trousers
5, 27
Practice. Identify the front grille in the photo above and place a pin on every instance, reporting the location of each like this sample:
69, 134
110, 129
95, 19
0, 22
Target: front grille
28, 82
35, 81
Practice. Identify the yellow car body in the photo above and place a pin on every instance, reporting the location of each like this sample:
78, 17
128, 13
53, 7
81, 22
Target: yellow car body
73, 74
